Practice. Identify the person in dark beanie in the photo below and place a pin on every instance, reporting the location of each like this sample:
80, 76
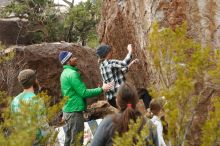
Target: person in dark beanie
28, 80
113, 70
76, 91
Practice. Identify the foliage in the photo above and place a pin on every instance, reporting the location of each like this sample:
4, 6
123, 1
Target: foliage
15, 128
127, 139
82, 20
42, 18
186, 71
47, 23
211, 128
93, 39
4, 55
28, 9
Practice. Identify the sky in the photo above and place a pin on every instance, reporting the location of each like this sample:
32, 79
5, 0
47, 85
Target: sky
4, 2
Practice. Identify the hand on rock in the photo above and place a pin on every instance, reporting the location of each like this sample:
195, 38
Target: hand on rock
136, 60
129, 48
133, 62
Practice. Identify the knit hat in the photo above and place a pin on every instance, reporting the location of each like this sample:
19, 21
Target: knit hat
64, 56
27, 78
103, 50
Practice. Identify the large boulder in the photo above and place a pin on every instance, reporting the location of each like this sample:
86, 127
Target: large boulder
44, 59
130, 21
117, 28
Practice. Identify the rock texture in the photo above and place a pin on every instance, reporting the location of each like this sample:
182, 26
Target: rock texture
118, 29
130, 21
99, 110
12, 32
44, 59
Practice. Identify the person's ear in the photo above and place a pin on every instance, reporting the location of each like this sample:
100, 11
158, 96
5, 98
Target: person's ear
68, 62
161, 113
37, 82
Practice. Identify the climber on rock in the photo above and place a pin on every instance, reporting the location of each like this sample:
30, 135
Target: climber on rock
113, 70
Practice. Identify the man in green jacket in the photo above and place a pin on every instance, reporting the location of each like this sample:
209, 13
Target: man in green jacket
76, 91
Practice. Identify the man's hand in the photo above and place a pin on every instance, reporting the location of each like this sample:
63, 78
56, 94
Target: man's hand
107, 87
133, 62
129, 48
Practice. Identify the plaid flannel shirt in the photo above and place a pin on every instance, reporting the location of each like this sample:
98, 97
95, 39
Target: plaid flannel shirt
113, 70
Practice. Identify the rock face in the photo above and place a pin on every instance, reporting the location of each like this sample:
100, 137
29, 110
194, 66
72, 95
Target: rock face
203, 18
99, 110
127, 21
44, 59
118, 30
130, 21
12, 32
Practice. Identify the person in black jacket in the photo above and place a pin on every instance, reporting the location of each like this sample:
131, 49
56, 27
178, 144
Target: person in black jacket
126, 100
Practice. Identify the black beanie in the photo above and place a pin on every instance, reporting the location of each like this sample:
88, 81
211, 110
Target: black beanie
103, 50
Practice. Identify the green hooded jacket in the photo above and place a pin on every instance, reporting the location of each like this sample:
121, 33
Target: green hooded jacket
76, 91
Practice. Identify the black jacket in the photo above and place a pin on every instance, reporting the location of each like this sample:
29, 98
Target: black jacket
105, 132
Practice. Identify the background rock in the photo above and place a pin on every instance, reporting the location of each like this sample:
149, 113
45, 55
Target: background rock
99, 110
13, 31
44, 59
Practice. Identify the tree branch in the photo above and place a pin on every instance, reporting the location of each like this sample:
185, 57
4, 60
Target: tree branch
69, 3
192, 118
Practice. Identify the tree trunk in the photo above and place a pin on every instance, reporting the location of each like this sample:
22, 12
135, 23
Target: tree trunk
69, 35
83, 38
